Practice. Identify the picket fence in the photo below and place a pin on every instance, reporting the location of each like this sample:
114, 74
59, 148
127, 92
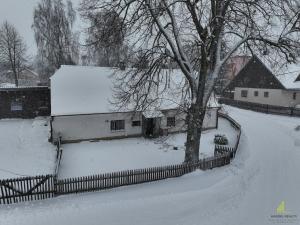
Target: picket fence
49, 186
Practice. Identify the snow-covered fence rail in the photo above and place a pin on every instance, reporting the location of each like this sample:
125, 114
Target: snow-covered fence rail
272, 109
26, 189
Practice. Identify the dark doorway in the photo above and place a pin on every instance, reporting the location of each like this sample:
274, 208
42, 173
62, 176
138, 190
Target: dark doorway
149, 127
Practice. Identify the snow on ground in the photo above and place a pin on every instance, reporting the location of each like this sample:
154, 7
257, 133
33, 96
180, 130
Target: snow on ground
246, 192
24, 148
88, 158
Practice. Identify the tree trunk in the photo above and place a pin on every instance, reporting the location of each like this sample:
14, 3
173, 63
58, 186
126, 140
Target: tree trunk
16, 77
194, 119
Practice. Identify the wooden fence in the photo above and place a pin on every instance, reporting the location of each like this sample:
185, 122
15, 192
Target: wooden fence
130, 177
41, 187
27, 189
279, 110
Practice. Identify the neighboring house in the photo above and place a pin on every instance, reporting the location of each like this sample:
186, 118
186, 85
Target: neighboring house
257, 84
231, 68
81, 109
24, 102
27, 78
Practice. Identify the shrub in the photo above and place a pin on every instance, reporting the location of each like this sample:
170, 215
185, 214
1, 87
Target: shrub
220, 140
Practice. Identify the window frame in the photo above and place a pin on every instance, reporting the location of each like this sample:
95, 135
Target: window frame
117, 125
266, 94
18, 107
244, 93
136, 123
256, 93
294, 95
171, 121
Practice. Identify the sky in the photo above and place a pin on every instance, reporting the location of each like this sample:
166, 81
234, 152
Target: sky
20, 14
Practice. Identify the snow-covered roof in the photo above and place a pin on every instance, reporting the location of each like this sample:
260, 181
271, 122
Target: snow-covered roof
81, 90
7, 85
288, 75
89, 90
10, 86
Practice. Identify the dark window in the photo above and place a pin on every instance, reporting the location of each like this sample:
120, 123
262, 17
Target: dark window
171, 121
16, 105
255, 93
294, 95
136, 123
117, 125
244, 93
266, 94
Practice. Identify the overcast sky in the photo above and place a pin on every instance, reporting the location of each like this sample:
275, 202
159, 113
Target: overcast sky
20, 14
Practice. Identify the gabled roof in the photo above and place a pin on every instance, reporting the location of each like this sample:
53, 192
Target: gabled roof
289, 76
256, 74
89, 90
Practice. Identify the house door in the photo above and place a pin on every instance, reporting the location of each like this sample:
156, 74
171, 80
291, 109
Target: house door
149, 127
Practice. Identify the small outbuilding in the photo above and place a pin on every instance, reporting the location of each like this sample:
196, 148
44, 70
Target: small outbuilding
81, 109
24, 102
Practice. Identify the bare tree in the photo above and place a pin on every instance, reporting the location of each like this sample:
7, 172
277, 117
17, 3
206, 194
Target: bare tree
200, 36
12, 50
105, 38
57, 44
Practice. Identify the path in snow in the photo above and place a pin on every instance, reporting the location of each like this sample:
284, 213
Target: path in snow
264, 173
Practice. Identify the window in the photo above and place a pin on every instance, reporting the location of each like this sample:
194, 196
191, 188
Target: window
16, 105
266, 94
171, 121
294, 95
136, 123
255, 93
117, 125
244, 93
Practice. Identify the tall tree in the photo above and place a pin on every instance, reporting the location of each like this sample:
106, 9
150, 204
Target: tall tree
105, 38
213, 30
12, 50
57, 44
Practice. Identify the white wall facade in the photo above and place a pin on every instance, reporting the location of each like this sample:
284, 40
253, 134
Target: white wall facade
97, 126
277, 97
93, 126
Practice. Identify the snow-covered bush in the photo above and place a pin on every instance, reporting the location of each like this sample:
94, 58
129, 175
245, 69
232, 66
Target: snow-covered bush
220, 139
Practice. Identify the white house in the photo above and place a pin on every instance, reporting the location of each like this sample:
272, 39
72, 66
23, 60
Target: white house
256, 83
81, 109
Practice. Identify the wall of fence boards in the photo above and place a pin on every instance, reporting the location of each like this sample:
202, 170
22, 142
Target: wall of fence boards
41, 187
279, 110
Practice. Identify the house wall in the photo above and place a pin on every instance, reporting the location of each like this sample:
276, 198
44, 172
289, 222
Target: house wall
34, 101
277, 97
93, 126
210, 120
97, 126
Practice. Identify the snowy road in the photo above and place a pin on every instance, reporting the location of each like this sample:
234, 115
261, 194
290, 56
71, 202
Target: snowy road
264, 173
